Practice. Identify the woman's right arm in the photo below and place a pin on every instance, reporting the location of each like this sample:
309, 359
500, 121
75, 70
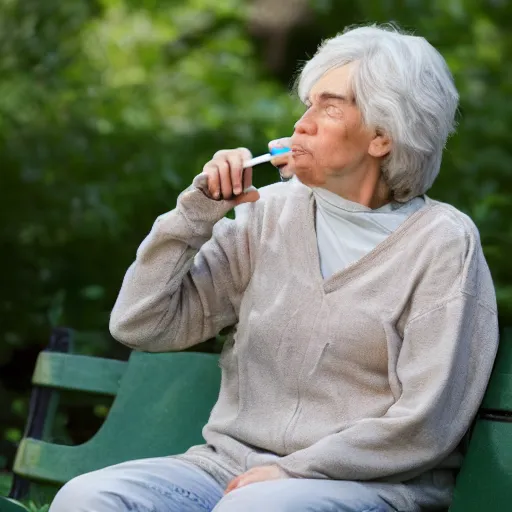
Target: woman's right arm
191, 270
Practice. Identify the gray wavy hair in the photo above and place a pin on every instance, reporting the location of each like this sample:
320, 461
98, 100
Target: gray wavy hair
403, 87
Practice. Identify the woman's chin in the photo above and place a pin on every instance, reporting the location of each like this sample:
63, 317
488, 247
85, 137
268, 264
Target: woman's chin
306, 177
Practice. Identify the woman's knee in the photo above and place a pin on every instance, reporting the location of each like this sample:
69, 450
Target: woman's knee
145, 485
83, 493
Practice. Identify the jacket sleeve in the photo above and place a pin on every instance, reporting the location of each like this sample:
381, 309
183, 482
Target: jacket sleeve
188, 276
443, 366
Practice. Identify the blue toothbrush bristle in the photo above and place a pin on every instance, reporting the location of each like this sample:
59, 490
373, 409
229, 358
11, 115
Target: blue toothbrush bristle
279, 151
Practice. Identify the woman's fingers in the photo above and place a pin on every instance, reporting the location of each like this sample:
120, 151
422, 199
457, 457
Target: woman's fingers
226, 188
283, 142
233, 484
247, 178
283, 161
256, 474
227, 178
241, 178
212, 171
235, 161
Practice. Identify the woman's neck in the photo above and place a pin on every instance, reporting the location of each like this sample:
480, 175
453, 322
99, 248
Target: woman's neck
368, 188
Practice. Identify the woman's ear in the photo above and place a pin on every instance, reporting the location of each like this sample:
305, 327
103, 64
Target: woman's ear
380, 145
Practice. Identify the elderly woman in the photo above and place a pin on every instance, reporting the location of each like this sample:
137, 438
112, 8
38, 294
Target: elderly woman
364, 311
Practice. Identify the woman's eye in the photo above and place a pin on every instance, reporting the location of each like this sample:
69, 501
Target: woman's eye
333, 110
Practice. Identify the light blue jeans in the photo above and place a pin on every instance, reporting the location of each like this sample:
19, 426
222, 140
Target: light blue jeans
168, 485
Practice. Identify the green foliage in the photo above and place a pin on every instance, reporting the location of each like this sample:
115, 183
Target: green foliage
30, 506
108, 108
33, 507
5, 483
106, 122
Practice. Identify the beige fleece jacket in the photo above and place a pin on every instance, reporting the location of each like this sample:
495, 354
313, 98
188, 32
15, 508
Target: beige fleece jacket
372, 374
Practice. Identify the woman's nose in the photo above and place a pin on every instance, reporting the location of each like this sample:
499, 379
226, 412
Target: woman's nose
306, 124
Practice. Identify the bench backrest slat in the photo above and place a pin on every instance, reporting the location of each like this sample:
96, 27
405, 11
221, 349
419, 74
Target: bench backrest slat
80, 373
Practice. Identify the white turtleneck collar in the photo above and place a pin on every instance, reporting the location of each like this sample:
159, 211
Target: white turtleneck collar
346, 231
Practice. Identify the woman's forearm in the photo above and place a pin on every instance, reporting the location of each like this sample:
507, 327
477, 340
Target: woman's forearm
174, 295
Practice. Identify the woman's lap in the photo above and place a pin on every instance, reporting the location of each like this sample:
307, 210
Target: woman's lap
169, 485
297, 495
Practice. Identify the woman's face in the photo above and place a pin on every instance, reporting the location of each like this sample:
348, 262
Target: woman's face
330, 140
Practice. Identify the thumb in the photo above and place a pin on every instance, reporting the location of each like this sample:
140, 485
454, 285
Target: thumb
280, 143
250, 196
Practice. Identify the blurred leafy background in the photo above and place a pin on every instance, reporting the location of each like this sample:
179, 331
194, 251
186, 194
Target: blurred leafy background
108, 108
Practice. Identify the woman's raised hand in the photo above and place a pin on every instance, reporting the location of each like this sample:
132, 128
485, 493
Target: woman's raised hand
227, 179
282, 162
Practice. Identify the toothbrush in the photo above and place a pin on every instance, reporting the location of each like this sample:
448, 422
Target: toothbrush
265, 158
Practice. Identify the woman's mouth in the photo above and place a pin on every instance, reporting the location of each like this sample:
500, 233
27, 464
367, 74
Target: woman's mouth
298, 150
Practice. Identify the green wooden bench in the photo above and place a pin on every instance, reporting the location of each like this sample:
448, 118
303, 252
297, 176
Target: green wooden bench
484, 483
162, 401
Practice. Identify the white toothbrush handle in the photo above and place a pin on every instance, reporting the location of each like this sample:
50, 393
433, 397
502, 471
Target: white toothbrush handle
258, 160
